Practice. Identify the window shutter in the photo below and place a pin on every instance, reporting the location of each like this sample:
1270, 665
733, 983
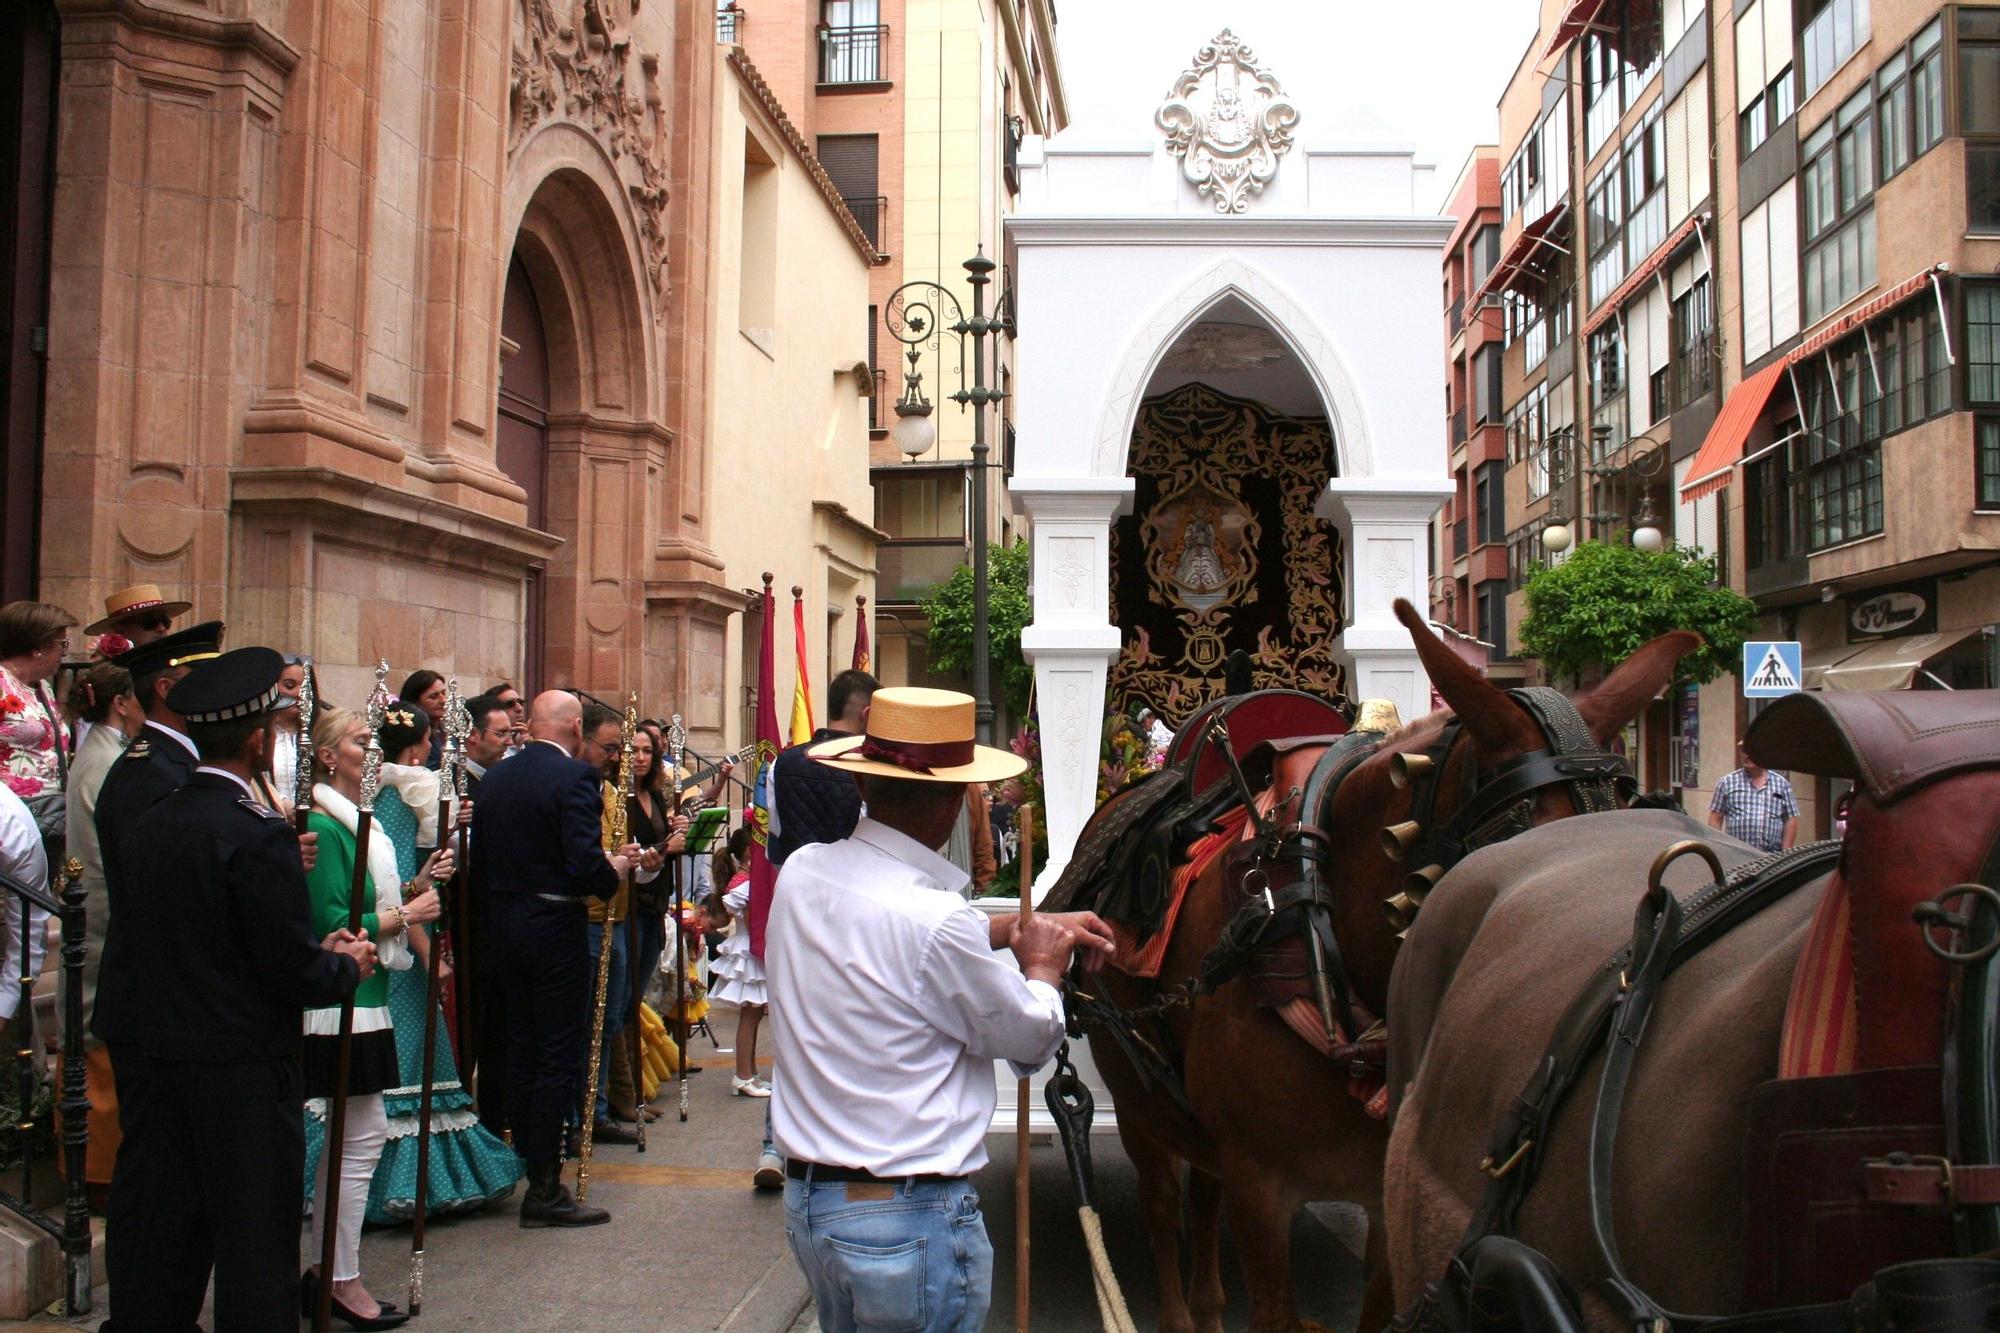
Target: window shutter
1749, 56
1694, 160
850, 161
1756, 283
1777, 37
1677, 175
1783, 213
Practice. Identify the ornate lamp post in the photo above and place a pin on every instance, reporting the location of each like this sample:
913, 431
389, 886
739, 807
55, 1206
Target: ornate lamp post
915, 316
1644, 465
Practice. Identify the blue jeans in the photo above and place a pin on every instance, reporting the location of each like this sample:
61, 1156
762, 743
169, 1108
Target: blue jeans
916, 1260
617, 1005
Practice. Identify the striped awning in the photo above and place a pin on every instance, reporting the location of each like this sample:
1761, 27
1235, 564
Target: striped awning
1643, 274
1570, 26
1526, 252
1840, 326
1720, 451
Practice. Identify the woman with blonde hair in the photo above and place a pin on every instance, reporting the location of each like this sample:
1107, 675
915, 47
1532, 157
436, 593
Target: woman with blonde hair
390, 909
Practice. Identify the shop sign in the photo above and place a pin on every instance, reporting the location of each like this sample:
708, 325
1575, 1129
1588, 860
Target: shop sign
1892, 613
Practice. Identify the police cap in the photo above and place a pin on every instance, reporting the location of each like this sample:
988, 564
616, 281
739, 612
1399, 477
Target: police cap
196, 643
242, 683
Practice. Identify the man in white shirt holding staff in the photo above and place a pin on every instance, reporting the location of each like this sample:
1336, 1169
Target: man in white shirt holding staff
889, 1002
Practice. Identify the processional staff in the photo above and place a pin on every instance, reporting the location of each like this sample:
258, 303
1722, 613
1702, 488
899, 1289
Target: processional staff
358, 885
677, 746
635, 1029
614, 837
451, 782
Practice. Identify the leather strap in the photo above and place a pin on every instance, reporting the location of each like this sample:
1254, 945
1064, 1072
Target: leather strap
1929, 1182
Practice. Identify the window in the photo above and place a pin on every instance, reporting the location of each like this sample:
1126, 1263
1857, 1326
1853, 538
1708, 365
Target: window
1493, 614
1485, 253
1605, 217
1769, 509
1486, 385
1909, 100
1525, 555
1693, 348
1927, 87
1986, 493
850, 41
1645, 160
1527, 424
1838, 181
1770, 237
926, 503
1490, 501
1982, 342
1979, 115
1607, 364
1617, 63
1766, 89
1834, 30
850, 163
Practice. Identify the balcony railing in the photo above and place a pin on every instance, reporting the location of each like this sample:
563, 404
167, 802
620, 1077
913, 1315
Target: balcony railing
879, 407
1458, 427
1457, 315
910, 569
852, 55
1458, 536
729, 19
870, 213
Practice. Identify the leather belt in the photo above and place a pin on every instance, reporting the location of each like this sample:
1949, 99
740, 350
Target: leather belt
1929, 1182
562, 898
854, 1175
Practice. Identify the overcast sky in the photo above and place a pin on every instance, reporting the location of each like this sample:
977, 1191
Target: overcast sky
1430, 70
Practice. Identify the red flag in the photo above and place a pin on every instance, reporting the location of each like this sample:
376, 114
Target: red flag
763, 875
861, 634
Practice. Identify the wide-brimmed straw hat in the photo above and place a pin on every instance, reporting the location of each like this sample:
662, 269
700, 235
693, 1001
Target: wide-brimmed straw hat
136, 600
923, 735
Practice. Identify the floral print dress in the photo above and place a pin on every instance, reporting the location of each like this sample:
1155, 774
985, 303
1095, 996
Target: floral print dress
29, 760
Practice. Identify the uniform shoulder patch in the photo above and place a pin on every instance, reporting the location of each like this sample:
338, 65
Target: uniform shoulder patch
258, 808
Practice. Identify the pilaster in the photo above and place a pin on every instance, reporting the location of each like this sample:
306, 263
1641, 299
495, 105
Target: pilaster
1388, 556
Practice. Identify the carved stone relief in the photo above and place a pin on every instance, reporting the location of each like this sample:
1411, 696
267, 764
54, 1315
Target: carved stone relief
576, 60
1229, 122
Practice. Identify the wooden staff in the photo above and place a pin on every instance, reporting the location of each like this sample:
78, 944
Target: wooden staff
451, 771
358, 886
1026, 816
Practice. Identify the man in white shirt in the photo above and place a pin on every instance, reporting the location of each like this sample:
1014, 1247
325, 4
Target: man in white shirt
889, 1002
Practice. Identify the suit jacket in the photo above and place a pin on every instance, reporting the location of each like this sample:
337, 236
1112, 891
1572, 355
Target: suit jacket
538, 828
152, 768
101, 749
227, 954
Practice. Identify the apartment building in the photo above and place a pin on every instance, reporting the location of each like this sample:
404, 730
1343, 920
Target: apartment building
1741, 259
917, 109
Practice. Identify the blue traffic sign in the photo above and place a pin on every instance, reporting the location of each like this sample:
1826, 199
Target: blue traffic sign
1772, 668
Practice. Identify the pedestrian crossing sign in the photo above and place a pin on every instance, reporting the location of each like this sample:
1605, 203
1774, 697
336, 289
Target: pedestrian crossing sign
1772, 668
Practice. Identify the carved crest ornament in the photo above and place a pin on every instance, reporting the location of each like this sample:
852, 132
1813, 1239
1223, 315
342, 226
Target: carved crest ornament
575, 60
1229, 122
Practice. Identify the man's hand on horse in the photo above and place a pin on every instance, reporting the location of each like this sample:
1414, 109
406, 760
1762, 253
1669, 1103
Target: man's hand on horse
1091, 937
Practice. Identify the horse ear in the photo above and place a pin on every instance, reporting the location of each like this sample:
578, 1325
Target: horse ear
1475, 700
1625, 692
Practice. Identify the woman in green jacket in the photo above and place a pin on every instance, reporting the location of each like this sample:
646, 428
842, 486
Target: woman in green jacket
340, 741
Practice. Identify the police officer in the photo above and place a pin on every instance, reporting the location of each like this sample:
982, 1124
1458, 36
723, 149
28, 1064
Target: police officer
222, 951
158, 762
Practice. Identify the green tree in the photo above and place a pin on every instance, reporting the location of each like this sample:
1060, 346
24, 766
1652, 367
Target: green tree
1597, 607
1008, 611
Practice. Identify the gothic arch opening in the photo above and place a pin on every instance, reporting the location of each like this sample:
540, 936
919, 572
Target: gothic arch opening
1231, 447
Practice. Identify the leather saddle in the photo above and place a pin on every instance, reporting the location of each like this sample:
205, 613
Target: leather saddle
1124, 861
1889, 743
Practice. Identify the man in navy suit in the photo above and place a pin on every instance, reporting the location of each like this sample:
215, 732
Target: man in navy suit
536, 856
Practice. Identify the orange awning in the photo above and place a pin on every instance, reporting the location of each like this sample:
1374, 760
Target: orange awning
1719, 452
1640, 275
1839, 328
1570, 26
1525, 251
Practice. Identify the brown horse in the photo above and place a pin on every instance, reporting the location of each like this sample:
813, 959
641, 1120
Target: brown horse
1509, 937
1270, 1123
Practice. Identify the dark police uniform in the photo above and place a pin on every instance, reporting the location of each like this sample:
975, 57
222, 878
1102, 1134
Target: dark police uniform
536, 856
222, 948
159, 762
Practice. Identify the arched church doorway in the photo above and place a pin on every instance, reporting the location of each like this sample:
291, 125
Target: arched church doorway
522, 446
1231, 449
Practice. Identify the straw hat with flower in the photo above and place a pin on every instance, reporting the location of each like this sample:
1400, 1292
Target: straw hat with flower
922, 735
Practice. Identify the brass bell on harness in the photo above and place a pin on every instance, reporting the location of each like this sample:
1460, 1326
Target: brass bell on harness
1405, 769
1401, 911
1421, 882
1397, 839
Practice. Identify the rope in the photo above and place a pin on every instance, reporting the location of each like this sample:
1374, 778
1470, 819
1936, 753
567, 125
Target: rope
1110, 1296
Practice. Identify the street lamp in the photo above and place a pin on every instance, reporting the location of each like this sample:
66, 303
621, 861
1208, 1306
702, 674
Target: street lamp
1645, 466
1557, 535
915, 316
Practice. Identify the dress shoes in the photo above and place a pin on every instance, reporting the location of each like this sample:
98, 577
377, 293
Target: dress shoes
613, 1131
387, 1315
748, 1087
548, 1202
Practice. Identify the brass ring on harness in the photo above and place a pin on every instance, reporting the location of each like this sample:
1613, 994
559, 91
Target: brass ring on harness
1935, 913
1257, 884
1685, 847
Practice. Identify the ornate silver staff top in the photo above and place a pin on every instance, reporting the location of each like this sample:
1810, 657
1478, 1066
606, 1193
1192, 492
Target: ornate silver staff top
457, 726
371, 761
302, 786
676, 746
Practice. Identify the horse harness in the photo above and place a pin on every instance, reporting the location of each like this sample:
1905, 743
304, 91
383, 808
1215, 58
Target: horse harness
1491, 810
1496, 1282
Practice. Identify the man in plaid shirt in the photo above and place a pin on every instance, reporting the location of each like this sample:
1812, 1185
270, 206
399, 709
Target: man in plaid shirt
1755, 805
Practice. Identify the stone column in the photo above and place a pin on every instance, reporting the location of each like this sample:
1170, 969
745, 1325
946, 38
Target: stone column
1388, 556
1071, 643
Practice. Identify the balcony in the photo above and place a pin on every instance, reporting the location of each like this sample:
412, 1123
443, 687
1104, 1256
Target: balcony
729, 20
871, 213
1458, 536
1458, 428
852, 55
880, 409
1457, 315
910, 569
